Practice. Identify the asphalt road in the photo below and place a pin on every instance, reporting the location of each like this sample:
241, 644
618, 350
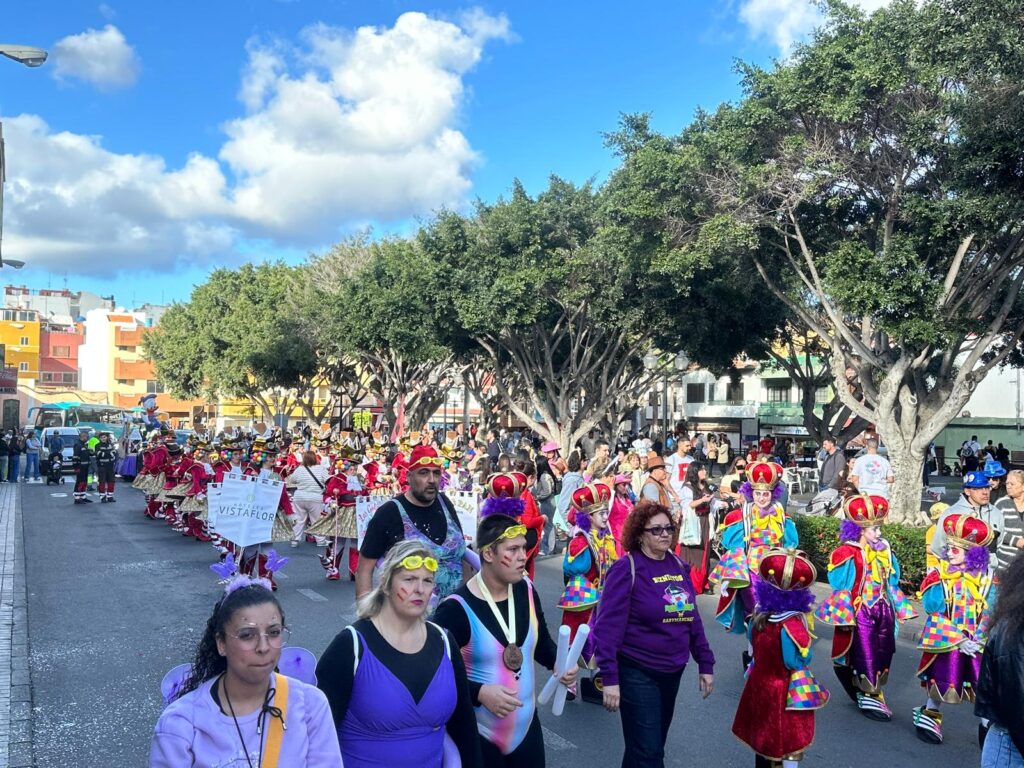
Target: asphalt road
115, 600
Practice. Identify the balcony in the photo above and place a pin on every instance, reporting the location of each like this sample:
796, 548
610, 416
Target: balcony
133, 370
127, 337
783, 413
722, 409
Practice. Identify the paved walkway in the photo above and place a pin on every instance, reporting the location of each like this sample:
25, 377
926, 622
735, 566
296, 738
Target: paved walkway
15, 685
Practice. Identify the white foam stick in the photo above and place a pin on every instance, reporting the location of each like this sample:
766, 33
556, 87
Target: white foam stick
560, 657
574, 654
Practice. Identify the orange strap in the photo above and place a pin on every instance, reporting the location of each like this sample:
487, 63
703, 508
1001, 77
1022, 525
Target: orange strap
275, 728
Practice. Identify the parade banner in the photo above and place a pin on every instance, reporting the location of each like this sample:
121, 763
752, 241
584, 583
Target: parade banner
212, 505
365, 507
244, 508
467, 507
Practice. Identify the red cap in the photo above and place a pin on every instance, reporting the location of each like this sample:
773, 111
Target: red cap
591, 498
764, 475
787, 569
866, 511
424, 456
967, 530
507, 485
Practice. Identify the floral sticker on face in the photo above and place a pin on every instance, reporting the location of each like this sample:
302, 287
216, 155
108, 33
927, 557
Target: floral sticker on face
678, 600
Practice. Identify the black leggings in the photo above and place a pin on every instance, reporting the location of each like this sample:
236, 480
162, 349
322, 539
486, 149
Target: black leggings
529, 754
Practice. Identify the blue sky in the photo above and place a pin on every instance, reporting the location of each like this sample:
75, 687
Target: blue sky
163, 139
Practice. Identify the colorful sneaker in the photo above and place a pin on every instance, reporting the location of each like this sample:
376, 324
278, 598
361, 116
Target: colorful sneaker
333, 575
928, 724
874, 707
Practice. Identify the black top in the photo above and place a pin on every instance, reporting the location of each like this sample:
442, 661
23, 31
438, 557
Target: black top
413, 670
1000, 689
452, 617
385, 528
106, 454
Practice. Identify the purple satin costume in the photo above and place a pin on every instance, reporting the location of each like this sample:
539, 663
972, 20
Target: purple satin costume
874, 644
385, 727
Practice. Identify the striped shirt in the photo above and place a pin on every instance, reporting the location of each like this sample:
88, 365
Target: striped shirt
1013, 533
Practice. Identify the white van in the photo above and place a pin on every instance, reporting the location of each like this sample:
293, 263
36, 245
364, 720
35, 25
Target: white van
69, 436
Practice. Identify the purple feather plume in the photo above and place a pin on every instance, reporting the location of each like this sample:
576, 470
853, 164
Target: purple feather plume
502, 505
774, 600
976, 560
582, 521
849, 531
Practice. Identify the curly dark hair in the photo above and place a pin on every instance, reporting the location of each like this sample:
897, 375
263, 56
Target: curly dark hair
640, 518
208, 662
1009, 610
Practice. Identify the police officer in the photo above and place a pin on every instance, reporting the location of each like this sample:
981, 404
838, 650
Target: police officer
106, 455
80, 459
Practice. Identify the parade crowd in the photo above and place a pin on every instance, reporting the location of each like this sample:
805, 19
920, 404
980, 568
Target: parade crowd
441, 666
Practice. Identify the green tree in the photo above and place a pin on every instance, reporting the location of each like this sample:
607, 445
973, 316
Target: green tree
370, 307
232, 339
874, 181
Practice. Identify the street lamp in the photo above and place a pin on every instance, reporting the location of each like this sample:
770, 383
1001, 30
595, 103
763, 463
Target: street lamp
30, 57
23, 54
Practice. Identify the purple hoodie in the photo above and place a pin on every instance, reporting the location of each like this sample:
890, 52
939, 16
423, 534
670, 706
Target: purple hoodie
651, 620
192, 731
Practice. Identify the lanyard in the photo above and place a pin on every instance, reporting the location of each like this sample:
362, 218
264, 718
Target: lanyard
508, 628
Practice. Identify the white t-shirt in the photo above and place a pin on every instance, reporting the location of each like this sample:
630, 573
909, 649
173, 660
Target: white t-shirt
871, 471
676, 467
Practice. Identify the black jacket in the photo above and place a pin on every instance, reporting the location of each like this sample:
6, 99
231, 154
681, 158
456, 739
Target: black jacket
106, 455
1000, 691
82, 454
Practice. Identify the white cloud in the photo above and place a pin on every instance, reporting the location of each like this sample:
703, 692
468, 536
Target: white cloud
787, 21
345, 128
99, 56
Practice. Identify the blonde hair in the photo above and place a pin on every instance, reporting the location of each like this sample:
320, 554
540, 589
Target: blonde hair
370, 604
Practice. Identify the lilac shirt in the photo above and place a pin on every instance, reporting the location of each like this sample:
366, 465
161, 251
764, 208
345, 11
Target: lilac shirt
192, 731
652, 621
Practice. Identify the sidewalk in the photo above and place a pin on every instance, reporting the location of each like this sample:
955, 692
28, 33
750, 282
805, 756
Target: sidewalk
15, 686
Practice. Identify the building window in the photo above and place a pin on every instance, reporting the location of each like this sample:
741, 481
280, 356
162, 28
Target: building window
779, 394
695, 393
123, 348
154, 387
61, 352
22, 366
126, 382
823, 395
70, 378
734, 392
27, 316
24, 341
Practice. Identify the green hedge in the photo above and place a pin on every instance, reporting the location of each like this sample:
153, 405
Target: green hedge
820, 535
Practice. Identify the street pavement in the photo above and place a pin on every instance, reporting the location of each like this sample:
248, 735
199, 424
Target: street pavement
115, 600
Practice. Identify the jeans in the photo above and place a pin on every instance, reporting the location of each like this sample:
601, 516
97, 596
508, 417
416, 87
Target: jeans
646, 707
13, 463
999, 751
31, 465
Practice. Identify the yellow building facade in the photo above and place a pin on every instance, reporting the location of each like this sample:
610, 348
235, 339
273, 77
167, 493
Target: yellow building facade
19, 333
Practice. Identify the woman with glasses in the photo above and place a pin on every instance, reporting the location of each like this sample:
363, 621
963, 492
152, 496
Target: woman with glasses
646, 631
234, 708
396, 682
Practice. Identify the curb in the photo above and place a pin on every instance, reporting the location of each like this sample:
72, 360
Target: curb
15, 681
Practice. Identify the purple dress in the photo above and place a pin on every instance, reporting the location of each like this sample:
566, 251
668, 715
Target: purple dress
384, 726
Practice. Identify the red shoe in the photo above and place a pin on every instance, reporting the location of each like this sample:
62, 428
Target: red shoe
333, 575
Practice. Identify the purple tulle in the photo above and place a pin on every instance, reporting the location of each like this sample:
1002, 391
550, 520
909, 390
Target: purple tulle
748, 491
774, 600
849, 531
502, 505
582, 521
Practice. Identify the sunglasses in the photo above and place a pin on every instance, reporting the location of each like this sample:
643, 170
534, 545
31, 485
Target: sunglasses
414, 562
660, 530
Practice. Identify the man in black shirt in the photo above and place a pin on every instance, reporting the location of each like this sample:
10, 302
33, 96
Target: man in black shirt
422, 512
80, 460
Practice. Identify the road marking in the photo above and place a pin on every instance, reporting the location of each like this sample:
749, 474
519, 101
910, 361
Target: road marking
553, 741
59, 495
313, 595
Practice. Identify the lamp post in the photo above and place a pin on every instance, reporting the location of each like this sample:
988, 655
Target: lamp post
30, 57
650, 364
